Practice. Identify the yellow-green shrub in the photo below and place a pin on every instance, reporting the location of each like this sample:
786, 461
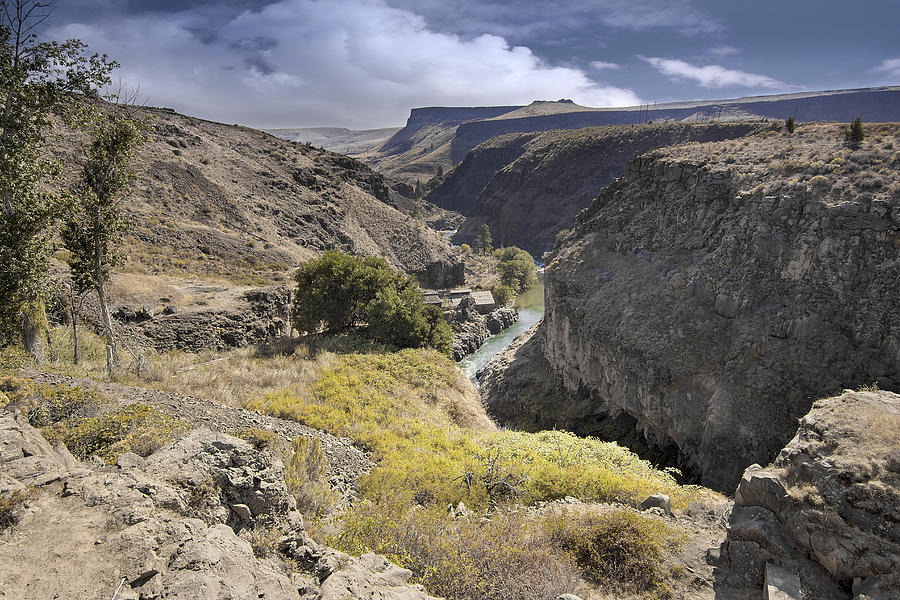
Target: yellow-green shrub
503, 557
304, 475
616, 548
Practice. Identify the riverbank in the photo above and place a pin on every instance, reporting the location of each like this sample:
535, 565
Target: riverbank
531, 309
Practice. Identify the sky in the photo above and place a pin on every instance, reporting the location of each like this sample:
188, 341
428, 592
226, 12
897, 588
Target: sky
364, 63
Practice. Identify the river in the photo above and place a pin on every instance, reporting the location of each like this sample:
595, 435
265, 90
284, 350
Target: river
531, 309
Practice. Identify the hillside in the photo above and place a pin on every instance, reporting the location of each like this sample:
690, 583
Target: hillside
444, 136
232, 202
710, 294
337, 139
527, 187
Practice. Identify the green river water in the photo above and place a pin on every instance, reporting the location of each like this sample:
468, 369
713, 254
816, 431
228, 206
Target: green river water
531, 309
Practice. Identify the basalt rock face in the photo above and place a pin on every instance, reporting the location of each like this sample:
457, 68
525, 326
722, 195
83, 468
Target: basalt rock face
188, 521
828, 508
549, 177
712, 293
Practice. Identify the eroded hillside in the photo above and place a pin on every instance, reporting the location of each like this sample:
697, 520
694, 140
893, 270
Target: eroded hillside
227, 201
527, 187
715, 290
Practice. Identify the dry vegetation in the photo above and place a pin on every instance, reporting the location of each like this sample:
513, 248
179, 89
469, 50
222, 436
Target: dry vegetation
421, 420
815, 159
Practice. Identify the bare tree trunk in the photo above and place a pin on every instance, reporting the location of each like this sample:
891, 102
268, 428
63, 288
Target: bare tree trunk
74, 330
112, 356
32, 339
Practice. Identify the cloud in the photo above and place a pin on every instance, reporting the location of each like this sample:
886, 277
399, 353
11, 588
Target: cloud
891, 66
602, 65
529, 20
711, 76
724, 50
358, 63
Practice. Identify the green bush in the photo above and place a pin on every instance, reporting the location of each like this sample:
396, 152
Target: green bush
503, 294
855, 134
343, 293
516, 268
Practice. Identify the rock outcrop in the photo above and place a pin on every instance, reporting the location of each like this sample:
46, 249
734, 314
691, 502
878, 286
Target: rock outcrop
551, 176
712, 293
208, 516
827, 511
471, 328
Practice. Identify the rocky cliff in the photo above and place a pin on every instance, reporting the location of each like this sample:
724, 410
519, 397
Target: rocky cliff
214, 199
715, 290
547, 178
825, 516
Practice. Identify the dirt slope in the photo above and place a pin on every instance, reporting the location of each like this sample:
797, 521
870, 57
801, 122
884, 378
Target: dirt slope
222, 200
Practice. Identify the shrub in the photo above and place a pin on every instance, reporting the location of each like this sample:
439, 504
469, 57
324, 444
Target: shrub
135, 428
260, 438
855, 134
466, 249
516, 268
618, 548
789, 125
10, 503
500, 557
343, 293
304, 475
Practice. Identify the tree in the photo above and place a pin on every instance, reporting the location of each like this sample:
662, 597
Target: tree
502, 294
789, 125
483, 243
516, 268
38, 79
341, 293
95, 226
855, 135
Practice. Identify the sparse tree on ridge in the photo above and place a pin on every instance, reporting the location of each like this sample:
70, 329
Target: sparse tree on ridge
789, 125
855, 135
38, 79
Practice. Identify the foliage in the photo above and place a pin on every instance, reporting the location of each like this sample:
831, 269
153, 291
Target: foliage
503, 557
483, 243
516, 268
617, 548
81, 419
259, 438
304, 474
391, 405
37, 80
789, 125
503, 294
855, 134
465, 248
93, 232
135, 428
343, 293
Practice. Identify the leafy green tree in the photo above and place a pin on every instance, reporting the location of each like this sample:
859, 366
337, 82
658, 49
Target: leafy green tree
38, 79
855, 135
96, 224
502, 294
516, 268
483, 243
789, 125
341, 293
